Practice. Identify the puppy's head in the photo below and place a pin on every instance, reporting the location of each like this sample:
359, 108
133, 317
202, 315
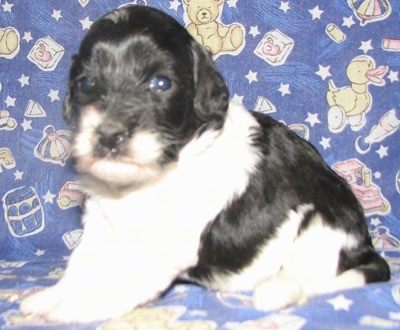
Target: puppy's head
140, 88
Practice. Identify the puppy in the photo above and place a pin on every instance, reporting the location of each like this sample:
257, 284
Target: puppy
182, 184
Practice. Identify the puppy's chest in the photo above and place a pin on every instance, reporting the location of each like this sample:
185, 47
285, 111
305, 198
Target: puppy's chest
175, 203
210, 172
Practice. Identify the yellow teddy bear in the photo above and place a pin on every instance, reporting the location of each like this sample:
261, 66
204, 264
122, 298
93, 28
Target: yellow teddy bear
204, 27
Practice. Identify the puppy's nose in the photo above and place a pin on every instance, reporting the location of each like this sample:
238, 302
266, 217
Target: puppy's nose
110, 138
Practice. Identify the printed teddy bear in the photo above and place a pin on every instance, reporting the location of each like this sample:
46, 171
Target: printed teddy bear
204, 27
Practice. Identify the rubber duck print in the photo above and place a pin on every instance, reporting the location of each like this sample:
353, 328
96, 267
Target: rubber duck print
349, 104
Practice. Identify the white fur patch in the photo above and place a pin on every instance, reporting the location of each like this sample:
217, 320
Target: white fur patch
314, 267
134, 246
270, 260
278, 292
118, 15
290, 268
84, 138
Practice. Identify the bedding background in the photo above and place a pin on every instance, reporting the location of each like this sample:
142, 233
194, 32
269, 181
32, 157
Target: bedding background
329, 70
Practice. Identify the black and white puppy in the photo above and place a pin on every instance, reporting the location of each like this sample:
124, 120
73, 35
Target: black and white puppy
182, 184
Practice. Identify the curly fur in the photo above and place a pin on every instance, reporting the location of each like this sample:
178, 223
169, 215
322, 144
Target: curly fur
182, 184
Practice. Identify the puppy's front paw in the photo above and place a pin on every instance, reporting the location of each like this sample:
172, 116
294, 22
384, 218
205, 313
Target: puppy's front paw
59, 306
40, 303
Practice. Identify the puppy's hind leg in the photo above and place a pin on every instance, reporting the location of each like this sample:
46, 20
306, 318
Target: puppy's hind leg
359, 267
278, 292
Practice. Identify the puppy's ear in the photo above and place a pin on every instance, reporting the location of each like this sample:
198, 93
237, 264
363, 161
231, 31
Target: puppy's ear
211, 93
68, 109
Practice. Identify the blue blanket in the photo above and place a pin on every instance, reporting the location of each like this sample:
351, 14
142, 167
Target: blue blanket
327, 69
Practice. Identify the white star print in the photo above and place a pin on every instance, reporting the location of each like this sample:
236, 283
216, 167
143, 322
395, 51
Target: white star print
316, 13
251, 76
375, 222
180, 288
382, 151
284, 6
10, 101
237, 98
40, 252
86, 23
284, 89
27, 124
174, 5
393, 76
325, 143
18, 175
254, 31
232, 3
323, 71
366, 46
27, 36
56, 14
53, 95
31, 279
348, 21
48, 198
24, 80
377, 175
312, 118
7, 7
340, 302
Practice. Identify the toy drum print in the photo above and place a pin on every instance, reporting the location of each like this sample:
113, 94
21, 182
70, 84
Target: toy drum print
23, 212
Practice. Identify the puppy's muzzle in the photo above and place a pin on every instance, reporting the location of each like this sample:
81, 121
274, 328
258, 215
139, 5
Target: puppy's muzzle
111, 140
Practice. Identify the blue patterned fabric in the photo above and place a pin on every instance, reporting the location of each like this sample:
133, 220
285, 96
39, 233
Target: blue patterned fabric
328, 69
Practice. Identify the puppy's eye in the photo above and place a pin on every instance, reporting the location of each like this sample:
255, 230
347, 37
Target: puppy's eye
160, 84
85, 84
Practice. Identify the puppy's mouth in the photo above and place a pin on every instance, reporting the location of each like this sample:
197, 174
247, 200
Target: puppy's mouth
129, 160
115, 154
